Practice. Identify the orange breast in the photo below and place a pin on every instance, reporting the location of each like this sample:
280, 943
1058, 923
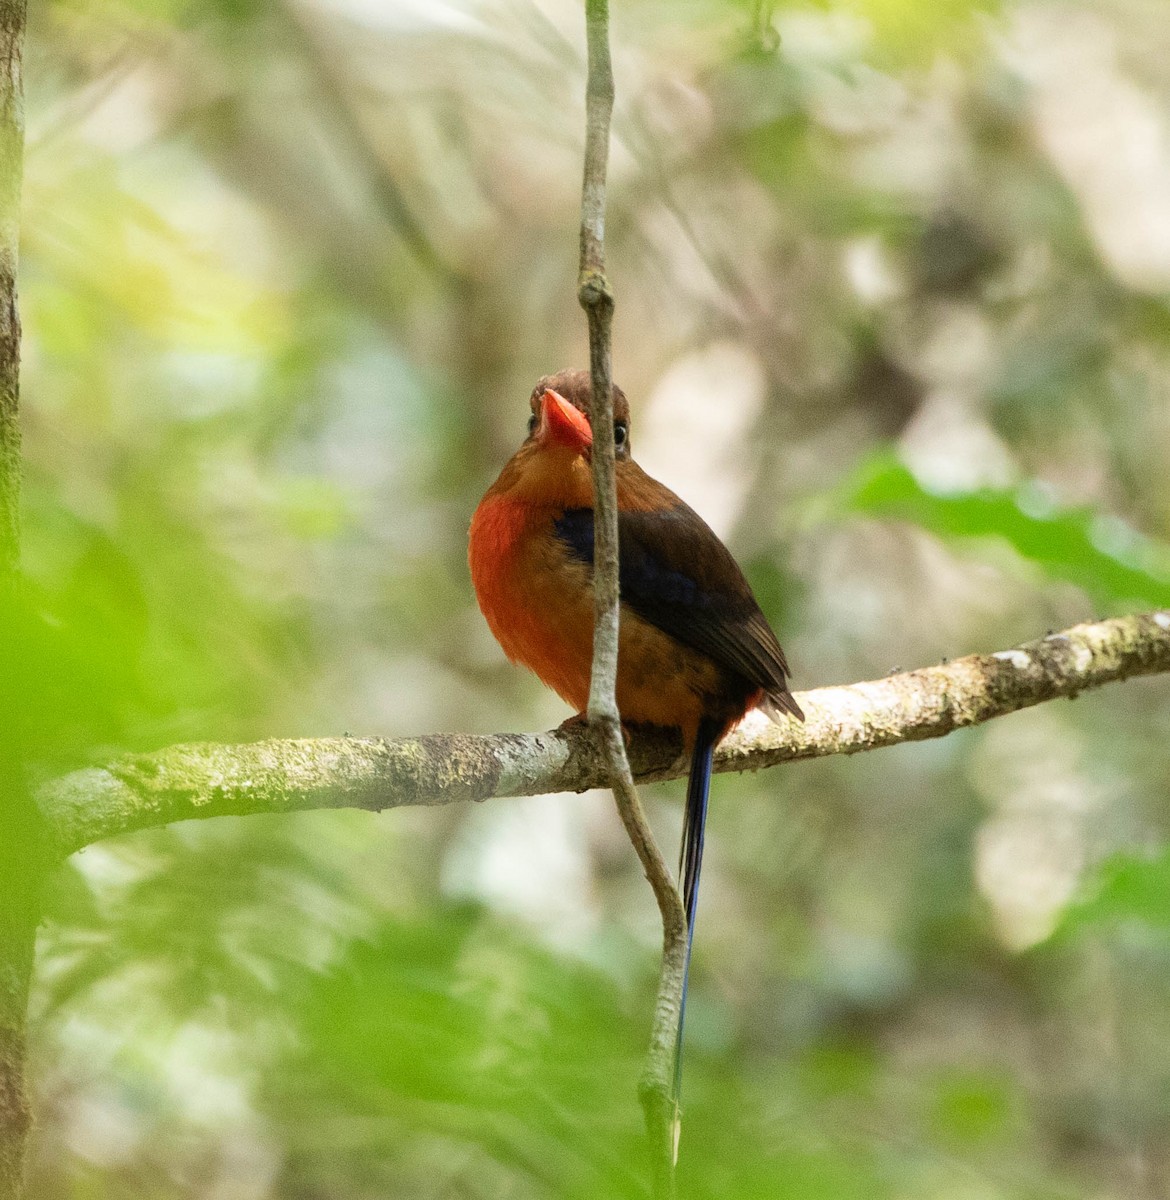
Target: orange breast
537, 601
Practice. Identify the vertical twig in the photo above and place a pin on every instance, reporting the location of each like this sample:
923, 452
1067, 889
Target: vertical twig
596, 298
22, 839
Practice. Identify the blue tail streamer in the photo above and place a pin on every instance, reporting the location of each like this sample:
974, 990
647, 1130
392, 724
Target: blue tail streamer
690, 864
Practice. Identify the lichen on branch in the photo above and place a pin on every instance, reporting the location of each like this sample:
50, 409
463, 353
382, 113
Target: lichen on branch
141, 791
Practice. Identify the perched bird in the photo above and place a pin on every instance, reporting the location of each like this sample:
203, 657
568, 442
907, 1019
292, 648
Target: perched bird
694, 652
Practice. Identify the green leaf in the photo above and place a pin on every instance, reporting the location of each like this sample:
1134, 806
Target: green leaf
1113, 562
1126, 889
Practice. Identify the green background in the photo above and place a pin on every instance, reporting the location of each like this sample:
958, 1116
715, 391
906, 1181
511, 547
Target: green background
893, 287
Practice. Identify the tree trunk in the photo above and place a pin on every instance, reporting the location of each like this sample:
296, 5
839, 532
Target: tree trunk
22, 859
11, 157
16, 959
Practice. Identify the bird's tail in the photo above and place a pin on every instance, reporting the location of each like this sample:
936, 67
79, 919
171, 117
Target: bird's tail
690, 863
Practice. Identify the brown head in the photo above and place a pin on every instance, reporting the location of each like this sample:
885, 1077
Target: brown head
575, 387
552, 467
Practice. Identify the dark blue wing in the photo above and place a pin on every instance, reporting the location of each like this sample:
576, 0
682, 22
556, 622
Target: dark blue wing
676, 574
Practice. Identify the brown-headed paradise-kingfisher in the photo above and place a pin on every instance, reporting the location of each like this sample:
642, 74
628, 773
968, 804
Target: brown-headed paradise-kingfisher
694, 651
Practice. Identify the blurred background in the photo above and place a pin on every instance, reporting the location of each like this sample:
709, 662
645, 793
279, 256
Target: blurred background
893, 287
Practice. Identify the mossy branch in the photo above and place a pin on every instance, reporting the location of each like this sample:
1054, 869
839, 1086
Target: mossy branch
141, 791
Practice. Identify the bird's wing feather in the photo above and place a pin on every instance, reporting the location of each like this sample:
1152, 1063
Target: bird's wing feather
676, 574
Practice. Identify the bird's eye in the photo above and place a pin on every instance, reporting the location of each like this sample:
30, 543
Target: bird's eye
532, 425
620, 432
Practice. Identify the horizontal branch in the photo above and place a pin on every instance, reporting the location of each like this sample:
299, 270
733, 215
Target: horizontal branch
140, 791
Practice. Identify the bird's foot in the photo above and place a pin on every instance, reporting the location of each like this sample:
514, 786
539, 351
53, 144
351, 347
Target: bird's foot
573, 724
580, 721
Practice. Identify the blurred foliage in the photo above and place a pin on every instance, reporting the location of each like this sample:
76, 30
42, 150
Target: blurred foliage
1112, 562
1127, 891
892, 283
